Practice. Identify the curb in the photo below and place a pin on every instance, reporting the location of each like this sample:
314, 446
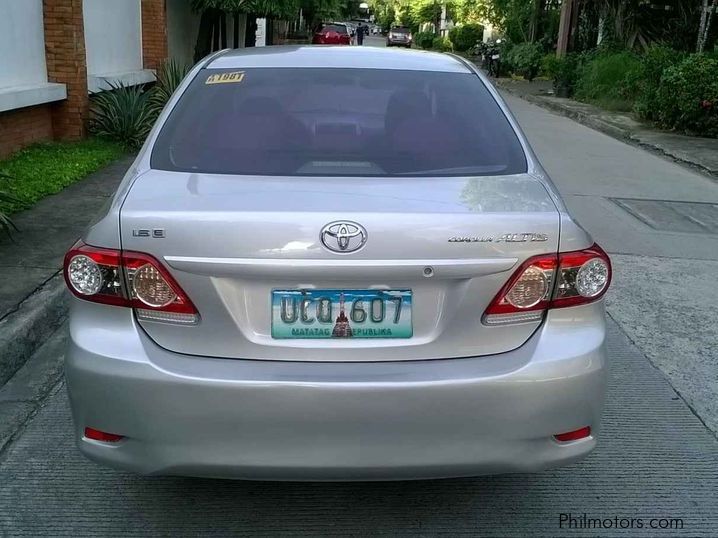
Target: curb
23, 331
610, 129
27, 391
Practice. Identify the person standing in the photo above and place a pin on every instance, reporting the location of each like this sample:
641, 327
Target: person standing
360, 34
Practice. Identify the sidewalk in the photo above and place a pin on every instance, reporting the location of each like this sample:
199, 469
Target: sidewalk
31, 291
701, 153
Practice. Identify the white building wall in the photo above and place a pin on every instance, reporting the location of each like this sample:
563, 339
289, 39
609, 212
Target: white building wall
23, 70
22, 43
113, 43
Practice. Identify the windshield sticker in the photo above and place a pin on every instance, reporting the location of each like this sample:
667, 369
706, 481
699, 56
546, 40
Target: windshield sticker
226, 78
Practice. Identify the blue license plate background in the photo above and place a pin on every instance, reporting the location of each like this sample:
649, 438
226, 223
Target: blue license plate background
341, 314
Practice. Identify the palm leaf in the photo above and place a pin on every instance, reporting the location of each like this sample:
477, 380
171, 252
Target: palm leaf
6, 225
169, 77
122, 113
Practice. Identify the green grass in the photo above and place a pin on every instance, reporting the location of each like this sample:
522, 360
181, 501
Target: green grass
44, 169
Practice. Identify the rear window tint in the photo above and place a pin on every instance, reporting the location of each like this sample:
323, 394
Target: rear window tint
338, 122
338, 28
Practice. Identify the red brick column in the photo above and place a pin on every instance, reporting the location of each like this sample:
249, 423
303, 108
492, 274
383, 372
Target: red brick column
154, 33
67, 64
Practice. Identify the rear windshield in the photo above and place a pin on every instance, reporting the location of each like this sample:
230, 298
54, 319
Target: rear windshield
338, 122
338, 28
400, 29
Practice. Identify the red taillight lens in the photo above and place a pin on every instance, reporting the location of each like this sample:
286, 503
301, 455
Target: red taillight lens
551, 281
130, 279
97, 435
575, 435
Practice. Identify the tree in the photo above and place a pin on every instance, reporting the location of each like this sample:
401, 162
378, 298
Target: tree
215, 15
709, 8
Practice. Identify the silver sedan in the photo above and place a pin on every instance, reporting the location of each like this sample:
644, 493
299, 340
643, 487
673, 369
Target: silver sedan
336, 263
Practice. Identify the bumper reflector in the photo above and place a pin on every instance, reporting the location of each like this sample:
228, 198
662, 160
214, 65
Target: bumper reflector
574, 435
97, 435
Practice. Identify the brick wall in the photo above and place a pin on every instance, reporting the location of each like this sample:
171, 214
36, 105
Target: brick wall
23, 127
154, 33
67, 64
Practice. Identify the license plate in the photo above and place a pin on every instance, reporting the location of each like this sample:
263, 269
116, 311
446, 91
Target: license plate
341, 314
495, 57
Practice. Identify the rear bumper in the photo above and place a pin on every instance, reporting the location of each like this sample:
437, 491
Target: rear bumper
335, 421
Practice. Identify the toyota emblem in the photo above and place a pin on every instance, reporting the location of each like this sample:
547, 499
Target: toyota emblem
343, 236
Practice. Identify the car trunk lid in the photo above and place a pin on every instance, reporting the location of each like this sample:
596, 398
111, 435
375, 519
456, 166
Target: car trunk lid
230, 241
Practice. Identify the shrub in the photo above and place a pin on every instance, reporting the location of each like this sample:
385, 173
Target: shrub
425, 40
565, 73
605, 79
647, 79
525, 59
122, 113
441, 43
687, 98
169, 77
6, 225
549, 65
466, 36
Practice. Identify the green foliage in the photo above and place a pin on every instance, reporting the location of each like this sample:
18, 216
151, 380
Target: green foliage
466, 36
44, 169
275, 8
441, 44
169, 77
422, 11
513, 17
605, 80
525, 59
646, 80
549, 65
424, 40
687, 98
6, 224
565, 73
123, 114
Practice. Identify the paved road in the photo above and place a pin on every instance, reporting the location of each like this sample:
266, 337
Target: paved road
664, 263
656, 459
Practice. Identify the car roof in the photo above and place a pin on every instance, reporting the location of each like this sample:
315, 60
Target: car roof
337, 57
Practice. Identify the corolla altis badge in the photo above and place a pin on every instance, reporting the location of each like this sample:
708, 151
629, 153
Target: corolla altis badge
504, 238
343, 236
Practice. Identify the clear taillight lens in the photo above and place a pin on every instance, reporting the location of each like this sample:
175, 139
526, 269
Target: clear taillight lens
94, 274
130, 279
581, 277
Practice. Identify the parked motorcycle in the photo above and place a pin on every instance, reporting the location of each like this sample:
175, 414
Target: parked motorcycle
492, 58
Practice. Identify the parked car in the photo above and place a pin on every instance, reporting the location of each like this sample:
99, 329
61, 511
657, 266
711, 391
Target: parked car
290, 286
332, 34
399, 36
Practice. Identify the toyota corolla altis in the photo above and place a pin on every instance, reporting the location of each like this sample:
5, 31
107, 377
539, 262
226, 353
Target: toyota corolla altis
336, 263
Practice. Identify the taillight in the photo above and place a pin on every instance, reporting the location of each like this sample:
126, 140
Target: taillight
129, 279
551, 281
